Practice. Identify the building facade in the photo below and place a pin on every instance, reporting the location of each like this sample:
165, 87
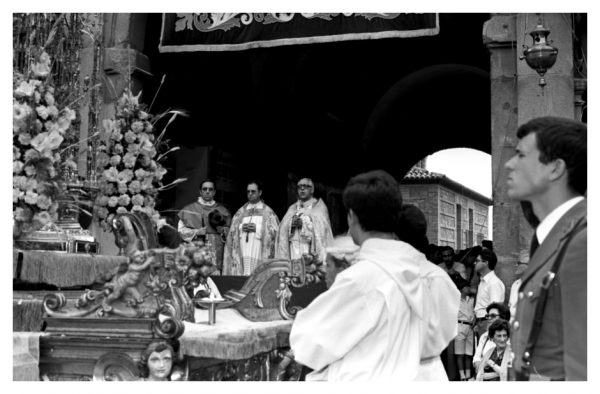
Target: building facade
456, 215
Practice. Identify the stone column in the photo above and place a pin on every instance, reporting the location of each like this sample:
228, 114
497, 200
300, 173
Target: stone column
516, 97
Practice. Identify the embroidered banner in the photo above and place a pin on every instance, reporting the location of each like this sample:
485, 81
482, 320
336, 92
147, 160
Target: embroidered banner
239, 31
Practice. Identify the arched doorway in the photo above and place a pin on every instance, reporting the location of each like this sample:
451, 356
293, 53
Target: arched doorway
437, 107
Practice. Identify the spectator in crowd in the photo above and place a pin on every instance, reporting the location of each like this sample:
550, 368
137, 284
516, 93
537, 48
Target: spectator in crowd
449, 265
494, 311
494, 365
491, 289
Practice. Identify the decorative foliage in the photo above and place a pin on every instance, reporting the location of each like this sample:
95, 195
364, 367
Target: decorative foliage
130, 175
39, 129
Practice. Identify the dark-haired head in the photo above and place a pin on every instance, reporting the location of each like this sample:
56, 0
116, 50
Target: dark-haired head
489, 257
503, 311
158, 347
561, 138
498, 325
412, 227
375, 199
259, 184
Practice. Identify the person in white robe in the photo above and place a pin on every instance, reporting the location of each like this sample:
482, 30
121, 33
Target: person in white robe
391, 313
305, 228
252, 235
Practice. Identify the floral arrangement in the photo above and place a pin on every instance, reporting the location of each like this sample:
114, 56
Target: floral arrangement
131, 176
39, 129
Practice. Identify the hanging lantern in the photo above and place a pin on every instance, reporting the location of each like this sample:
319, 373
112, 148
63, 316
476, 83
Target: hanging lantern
541, 56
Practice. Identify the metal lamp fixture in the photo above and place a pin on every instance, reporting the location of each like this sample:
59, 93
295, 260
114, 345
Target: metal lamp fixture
541, 56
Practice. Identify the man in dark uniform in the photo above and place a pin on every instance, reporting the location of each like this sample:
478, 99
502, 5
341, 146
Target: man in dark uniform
550, 170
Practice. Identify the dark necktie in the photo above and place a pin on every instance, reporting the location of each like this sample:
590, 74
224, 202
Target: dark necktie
534, 245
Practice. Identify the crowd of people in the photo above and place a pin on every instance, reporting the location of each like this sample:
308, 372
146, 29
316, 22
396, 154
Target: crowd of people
399, 308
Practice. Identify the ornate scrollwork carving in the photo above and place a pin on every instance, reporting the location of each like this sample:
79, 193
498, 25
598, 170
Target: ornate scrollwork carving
151, 282
168, 327
115, 366
284, 294
54, 301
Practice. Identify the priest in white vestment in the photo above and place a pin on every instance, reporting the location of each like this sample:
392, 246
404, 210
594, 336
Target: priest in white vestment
391, 313
305, 228
252, 235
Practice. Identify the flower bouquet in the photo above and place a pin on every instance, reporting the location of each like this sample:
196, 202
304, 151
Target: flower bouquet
39, 129
130, 175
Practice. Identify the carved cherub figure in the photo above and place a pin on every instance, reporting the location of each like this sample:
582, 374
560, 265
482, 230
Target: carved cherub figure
124, 283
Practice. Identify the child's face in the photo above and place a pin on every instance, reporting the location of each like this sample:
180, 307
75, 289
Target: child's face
137, 257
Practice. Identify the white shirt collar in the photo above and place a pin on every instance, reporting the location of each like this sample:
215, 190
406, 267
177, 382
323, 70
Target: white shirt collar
257, 205
544, 228
487, 277
207, 203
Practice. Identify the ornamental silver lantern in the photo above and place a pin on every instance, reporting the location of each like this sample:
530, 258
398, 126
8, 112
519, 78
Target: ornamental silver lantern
541, 56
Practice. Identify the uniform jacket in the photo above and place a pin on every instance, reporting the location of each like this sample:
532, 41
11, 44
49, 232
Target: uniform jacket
561, 348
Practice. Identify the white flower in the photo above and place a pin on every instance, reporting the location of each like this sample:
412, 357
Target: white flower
137, 199
46, 142
24, 138
43, 201
49, 98
129, 160
111, 174
42, 112
125, 176
122, 187
20, 114
42, 217
109, 125
42, 68
113, 201
52, 111
31, 154
137, 126
17, 166
116, 135
17, 194
25, 89
102, 213
124, 200
115, 160
30, 170
69, 114
31, 197
103, 201
130, 137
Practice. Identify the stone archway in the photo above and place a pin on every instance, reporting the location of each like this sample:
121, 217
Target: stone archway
435, 108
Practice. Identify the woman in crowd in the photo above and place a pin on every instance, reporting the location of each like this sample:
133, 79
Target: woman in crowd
495, 311
494, 365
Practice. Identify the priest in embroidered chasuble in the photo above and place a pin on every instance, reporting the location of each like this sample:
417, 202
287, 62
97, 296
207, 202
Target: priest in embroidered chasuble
252, 235
305, 228
206, 220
